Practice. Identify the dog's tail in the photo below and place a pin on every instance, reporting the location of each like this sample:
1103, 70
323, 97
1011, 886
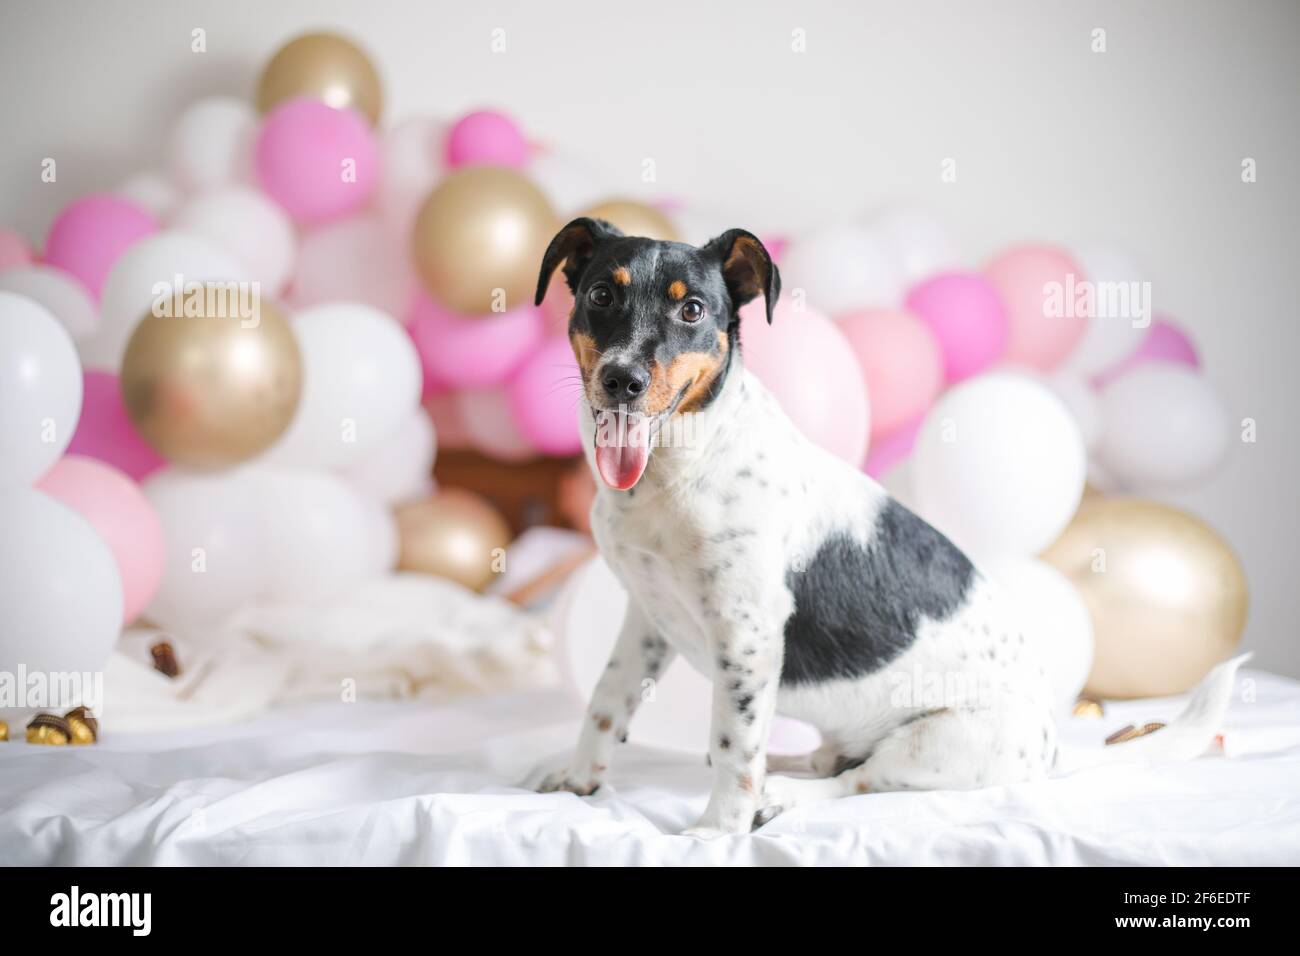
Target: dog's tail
1188, 736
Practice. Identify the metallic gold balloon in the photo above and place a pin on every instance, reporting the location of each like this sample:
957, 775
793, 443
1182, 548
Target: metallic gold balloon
1166, 594
211, 383
634, 218
454, 534
480, 236
326, 67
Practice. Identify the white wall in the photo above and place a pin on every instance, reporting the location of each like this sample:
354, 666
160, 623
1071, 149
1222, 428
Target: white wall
1139, 147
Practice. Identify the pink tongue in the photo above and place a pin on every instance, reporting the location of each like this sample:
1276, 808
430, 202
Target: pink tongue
622, 448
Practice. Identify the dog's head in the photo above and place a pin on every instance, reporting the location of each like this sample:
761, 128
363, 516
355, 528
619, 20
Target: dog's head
654, 327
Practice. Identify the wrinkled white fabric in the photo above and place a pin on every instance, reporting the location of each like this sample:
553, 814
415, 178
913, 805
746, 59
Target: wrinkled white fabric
413, 781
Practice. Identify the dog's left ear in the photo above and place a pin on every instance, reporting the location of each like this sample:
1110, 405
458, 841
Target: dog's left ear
747, 268
573, 246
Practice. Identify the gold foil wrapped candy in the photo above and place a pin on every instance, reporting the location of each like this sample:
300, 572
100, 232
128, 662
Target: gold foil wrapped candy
49, 729
84, 728
4, 731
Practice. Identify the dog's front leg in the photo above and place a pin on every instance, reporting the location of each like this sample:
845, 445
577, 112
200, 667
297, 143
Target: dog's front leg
744, 702
639, 655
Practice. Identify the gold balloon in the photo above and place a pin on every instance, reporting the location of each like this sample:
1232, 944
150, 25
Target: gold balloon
326, 67
1166, 594
210, 384
482, 233
634, 218
454, 534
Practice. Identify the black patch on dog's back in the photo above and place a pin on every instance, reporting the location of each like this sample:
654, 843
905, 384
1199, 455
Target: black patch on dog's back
857, 608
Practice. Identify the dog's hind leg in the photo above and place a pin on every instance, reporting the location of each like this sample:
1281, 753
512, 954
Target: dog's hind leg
822, 762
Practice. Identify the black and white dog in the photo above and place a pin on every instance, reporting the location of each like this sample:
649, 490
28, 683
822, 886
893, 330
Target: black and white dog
790, 578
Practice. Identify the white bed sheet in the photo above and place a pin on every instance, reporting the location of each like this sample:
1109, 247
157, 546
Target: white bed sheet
418, 783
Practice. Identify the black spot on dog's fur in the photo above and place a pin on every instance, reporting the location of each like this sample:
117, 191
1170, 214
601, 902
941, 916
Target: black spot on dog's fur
857, 608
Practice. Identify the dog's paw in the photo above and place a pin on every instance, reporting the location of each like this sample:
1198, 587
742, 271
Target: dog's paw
767, 814
564, 780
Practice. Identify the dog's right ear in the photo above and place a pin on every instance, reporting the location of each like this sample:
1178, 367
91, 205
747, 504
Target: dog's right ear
573, 245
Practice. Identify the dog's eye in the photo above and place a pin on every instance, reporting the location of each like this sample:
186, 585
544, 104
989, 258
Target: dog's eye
693, 311
600, 296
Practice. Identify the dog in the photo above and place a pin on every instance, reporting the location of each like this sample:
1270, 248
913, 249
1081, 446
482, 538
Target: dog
790, 578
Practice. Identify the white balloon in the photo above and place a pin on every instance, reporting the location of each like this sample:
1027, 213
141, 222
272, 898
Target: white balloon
320, 535
1054, 618
40, 390
999, 466
65, 298
1081, 399
137, 278
843, 267
59, 587
355, 260
215, 547
570, 183
152, 190
361, 381
411, 156
919, 242
1108, 338
400, 469
697, 226
1162, 426
249, 227
212, 143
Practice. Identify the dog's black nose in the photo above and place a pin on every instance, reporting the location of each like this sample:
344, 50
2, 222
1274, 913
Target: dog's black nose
624, 383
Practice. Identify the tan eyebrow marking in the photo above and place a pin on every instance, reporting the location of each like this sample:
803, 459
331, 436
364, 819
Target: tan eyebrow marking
622, 276
677, 290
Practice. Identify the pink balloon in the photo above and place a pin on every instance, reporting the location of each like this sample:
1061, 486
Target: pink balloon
105, 433
445, 413
806, 362
967, 318
776, 245
473, 352
892, 450
317, 162
1023, 276
544, 399
90, 235
14, 251
124, 518
485, 415
486, 138
1165, 341
901, 361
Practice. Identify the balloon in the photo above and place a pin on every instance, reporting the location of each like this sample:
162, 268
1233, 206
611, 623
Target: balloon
1112, 331
355, 260
543, 399
123, 518
318, 162
489, 425
1162, 426
361, 381
14, 250
400, 469
253, 230
486, 138
454, 534
889, 451
1163, 342
1032, 281
901, 361
466, 352
444, 411
569, 182
805, 361
153, 192
999, 466
1166, 594
63, 296
918, 242
633, 218
104, 430
1053, 618
212, 143
1083, 403
844, 267
214, 546
410, 154
59, 587
90, 236
322, 66
967, 318
40, 390
319, 533
209, 387
479, 239
132, 288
